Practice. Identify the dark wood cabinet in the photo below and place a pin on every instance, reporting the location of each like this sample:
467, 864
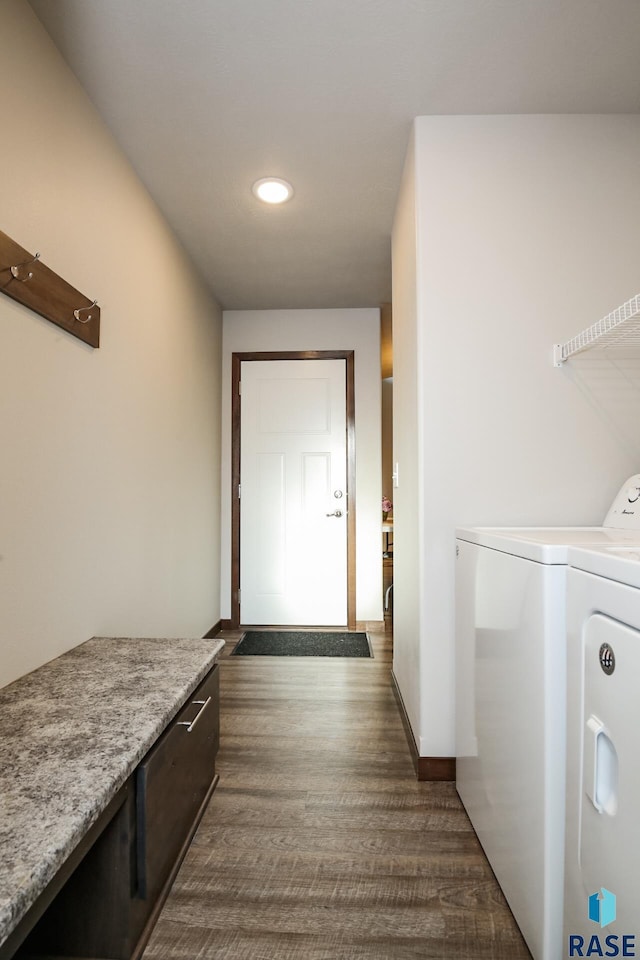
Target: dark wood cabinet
171, 784
109, 905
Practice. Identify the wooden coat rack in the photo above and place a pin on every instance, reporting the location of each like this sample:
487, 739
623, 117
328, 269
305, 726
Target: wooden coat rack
25, 278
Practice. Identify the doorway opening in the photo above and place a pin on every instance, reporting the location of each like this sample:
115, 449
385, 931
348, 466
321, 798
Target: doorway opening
388, 468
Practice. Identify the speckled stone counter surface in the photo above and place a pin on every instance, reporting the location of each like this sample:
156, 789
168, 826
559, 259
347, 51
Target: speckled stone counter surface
71, 733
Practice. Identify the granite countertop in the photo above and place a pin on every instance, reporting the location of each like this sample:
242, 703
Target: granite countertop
71, 733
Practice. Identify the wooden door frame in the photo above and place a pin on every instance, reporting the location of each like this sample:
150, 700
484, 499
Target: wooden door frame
236, 360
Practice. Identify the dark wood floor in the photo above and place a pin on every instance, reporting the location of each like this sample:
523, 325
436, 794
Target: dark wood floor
319, 844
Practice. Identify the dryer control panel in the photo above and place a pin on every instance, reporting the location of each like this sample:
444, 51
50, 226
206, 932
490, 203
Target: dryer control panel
624, 513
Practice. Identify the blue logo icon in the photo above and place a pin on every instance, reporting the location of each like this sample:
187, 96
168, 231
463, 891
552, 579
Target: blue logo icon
602, 907
602, 910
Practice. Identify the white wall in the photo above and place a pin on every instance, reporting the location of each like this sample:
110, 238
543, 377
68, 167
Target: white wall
407, 504
358, 330
526, 233
109, 475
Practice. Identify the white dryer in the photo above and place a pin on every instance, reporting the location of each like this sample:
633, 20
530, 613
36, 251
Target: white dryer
510, 704
602, 854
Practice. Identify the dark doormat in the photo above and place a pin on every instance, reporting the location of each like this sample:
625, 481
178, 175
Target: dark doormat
302, 643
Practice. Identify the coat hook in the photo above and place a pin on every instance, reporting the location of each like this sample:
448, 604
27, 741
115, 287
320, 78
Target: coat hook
15, 271
77, 312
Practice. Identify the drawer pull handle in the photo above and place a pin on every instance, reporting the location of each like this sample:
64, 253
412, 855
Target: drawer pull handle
191, 724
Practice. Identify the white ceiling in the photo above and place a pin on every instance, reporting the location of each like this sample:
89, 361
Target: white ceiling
206, 96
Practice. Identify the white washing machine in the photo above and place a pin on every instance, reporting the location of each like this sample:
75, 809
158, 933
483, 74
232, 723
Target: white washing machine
602, 852
510, 703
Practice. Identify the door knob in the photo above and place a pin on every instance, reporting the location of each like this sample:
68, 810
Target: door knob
336, 513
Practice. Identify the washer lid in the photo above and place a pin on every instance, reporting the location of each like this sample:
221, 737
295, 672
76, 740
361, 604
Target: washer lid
545, 544
621, 563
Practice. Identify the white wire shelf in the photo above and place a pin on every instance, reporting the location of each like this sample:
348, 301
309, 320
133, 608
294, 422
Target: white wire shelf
618, 328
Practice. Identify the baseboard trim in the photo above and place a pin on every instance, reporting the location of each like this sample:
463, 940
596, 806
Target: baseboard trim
436, 768
215, 630
426, 768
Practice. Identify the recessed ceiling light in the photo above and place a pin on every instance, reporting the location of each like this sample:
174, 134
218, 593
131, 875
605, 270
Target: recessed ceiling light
272, 190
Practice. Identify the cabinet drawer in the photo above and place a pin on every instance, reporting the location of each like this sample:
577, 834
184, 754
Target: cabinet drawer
172, 782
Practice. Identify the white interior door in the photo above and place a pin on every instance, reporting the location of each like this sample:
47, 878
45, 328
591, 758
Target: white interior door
293, 504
